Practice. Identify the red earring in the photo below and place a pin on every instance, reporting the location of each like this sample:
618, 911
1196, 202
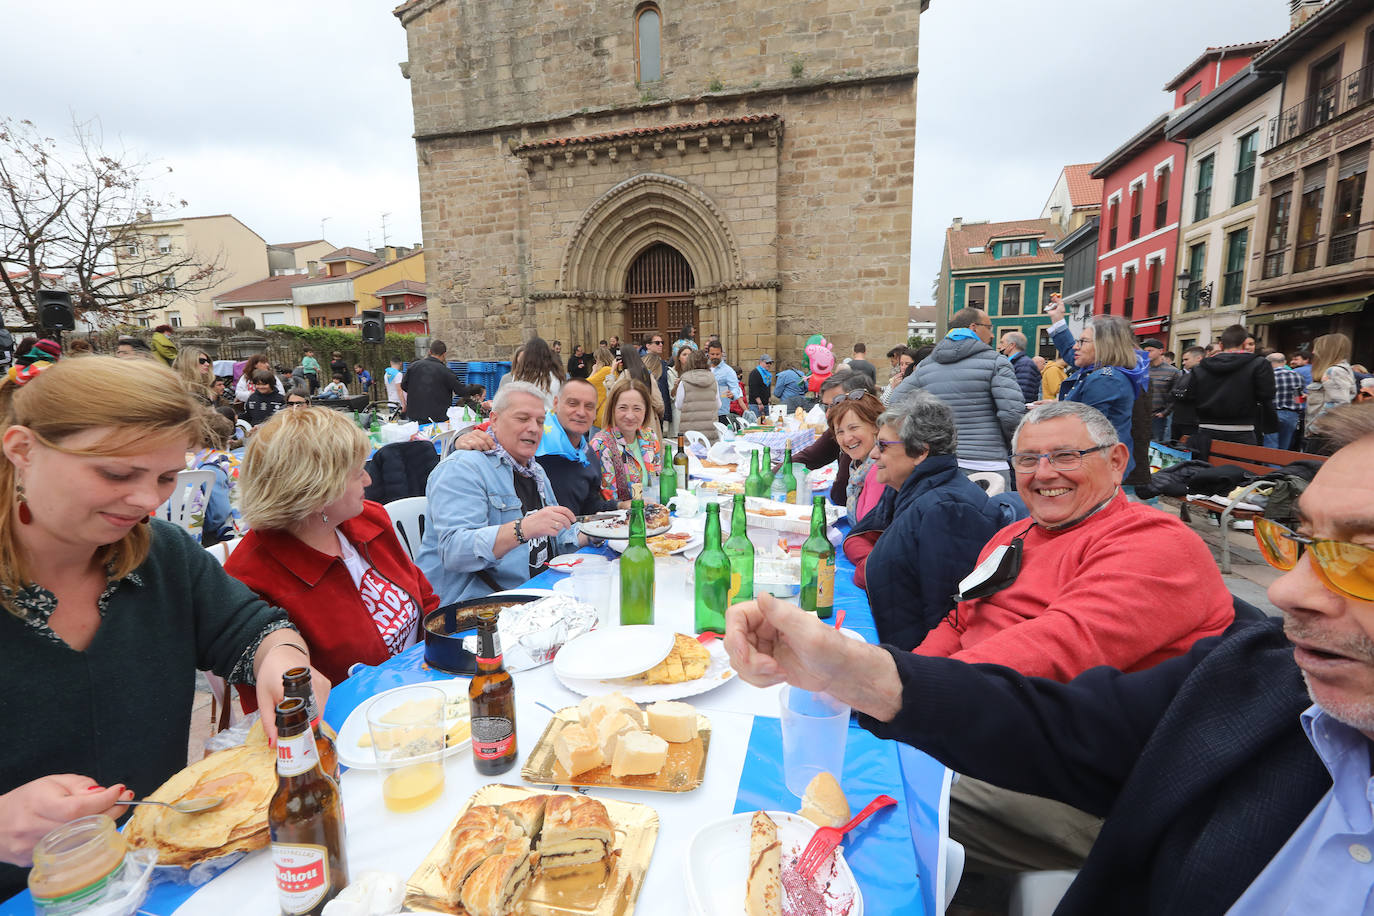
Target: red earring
25, 513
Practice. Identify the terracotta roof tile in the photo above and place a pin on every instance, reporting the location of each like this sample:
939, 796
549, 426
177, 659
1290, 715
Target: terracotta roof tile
352, 254
655, 131
978, 235
1084, 190
271, 289
415, 287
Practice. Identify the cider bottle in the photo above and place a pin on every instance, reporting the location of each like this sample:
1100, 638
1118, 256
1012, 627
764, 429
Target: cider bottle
637, 573
740, 551
789, 476
755, 484
818, 566
295, 682
305, 819
667, 481
491, 701
712, 574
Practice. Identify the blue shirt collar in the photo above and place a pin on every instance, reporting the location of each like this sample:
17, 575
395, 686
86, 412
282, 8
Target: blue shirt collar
1345, 753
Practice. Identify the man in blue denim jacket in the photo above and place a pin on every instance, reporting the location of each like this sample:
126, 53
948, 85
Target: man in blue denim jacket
493, 519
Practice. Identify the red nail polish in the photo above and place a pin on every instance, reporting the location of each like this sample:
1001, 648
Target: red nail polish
95, 788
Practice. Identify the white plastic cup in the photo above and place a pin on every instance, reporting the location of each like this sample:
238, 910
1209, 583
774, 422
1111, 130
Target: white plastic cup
815, 727
590, 582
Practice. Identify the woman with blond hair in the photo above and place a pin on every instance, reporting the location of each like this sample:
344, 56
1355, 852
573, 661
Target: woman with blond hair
107, 613
1110, 372
319, 550
1332, 376
603, 368
197, 373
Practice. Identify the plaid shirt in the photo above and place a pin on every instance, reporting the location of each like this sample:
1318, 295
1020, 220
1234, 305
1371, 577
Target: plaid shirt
1287, 386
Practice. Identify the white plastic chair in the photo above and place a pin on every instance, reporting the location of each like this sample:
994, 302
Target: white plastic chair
241, 429
726, 433
990, 481
222, 550
408, 517
954, 869
444, 442
697, 437
188, 499
1037, 893
222, 701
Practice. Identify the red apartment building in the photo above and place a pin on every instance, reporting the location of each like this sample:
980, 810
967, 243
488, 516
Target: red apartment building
1144, 188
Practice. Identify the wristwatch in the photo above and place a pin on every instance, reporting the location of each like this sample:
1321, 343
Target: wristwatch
519, 533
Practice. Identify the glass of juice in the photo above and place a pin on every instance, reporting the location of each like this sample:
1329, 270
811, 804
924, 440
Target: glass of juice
407, 730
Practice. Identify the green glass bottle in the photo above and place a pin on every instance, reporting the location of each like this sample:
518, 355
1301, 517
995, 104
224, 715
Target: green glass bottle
818, 566
789, 476
766, 470
637, 573
754, 484
740, 551
667, 481
712, 577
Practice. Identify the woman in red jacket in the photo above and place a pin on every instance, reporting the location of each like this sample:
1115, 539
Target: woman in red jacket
317, 549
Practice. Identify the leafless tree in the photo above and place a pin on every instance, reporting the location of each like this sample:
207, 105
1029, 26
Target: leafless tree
72, 209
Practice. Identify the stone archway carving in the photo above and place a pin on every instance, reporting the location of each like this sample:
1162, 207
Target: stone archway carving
637, 213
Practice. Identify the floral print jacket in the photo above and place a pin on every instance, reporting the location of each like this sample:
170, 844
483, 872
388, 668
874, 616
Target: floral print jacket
621, 475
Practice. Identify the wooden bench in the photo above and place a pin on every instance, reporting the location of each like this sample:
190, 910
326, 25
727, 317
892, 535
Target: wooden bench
1257, 460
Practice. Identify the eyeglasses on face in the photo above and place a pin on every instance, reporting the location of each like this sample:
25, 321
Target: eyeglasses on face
1061, 459
884, 443
1083, 340
856, 395
1345, 567
657, 343
203, 361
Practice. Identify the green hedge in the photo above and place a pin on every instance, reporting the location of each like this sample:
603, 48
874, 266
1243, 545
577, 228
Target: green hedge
325, 341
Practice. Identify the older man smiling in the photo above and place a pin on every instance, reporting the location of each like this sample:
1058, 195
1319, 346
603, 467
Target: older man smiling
493, 519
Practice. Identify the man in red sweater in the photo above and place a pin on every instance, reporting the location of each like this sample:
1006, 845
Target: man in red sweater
1102, 580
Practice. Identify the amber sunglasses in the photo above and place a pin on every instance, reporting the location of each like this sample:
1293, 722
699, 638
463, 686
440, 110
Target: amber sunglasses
1344, 567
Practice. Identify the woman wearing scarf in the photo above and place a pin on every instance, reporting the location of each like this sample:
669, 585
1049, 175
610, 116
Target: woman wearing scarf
853, 418
1110, 373
629, 450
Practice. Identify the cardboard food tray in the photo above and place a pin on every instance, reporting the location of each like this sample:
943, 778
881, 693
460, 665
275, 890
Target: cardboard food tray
794, 520
573, 894
682, 772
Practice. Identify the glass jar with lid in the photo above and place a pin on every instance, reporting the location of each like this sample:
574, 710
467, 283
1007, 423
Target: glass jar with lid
75, 863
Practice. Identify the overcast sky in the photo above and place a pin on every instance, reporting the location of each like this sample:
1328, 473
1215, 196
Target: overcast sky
290, 112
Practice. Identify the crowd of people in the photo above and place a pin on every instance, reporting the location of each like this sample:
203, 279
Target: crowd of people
1044, 633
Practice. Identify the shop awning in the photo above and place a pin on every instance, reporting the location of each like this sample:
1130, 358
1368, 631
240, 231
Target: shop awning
1150, 325
1341, 307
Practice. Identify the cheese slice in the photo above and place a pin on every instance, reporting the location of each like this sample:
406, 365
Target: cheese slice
638, 754
673, 722
577, 749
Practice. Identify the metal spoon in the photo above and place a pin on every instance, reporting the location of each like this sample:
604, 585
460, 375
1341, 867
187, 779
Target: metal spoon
186, 806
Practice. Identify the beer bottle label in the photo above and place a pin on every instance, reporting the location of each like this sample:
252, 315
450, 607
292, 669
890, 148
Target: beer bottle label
297, 754
792, 496
825, 583
492, 736
734, 588
496, 655
302, 875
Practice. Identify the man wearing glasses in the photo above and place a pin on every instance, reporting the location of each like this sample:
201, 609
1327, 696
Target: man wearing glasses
1234, 779
979, 385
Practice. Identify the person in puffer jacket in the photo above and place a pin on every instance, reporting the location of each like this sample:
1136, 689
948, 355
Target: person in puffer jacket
1110, 372
978, 384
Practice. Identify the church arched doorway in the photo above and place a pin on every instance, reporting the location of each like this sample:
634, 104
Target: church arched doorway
658, 290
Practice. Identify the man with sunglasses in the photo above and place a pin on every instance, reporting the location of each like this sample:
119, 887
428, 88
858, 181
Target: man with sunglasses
1234, 779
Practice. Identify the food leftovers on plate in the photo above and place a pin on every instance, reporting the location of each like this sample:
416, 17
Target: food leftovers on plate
723, 487
687, 661
245, 776
663, 545
823, 803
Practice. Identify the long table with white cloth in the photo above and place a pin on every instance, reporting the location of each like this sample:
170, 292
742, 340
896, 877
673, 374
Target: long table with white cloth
897, 855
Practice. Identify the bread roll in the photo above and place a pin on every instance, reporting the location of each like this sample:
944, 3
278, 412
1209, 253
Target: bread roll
824, 803
577, 749
673, 722
764, 889
639, 754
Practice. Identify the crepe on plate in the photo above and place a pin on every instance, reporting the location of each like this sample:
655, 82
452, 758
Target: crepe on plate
246, 776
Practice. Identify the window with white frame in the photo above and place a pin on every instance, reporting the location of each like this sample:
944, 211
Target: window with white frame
174, 319
164, 244
138, 286
169, 281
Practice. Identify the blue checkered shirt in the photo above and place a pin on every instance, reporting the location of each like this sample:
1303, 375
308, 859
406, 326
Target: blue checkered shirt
1287, 386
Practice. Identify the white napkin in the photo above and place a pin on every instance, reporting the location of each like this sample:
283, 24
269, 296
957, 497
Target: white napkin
373, 893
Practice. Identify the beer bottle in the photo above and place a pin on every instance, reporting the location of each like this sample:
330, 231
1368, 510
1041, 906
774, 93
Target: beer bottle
667, 481
637, 573
789, 476
754, 484
305, 819
295, 682
491, 701
740, 551
680, 465
712, 572
818, 566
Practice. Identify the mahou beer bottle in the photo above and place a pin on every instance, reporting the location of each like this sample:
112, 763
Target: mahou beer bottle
295, 682
491, 699
305, 818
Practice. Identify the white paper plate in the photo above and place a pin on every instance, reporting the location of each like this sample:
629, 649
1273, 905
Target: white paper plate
717, 867
612, 652
678, 525
717, 673
351, 754
603, 529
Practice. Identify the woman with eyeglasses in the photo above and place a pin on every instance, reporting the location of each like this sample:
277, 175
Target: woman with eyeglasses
853, 418
1109, 374
911, 552
197, 373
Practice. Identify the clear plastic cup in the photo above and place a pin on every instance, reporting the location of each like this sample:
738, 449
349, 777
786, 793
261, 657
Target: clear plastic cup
815, 727
407, 730
591, 581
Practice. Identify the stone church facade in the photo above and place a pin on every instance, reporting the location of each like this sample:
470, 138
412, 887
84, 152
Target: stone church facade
618, 167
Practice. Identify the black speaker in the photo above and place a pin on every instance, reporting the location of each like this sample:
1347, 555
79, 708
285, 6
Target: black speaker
372, 326
55, 310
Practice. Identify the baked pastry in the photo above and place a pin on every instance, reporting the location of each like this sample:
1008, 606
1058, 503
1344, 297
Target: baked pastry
638, 754
496, 885
672, 721
763, 893
528, 812
824, 803
577, 831
482, 830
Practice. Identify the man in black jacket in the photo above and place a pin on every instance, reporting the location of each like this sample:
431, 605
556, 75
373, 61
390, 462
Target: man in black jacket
1214, 769
1233, 392
430, 386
